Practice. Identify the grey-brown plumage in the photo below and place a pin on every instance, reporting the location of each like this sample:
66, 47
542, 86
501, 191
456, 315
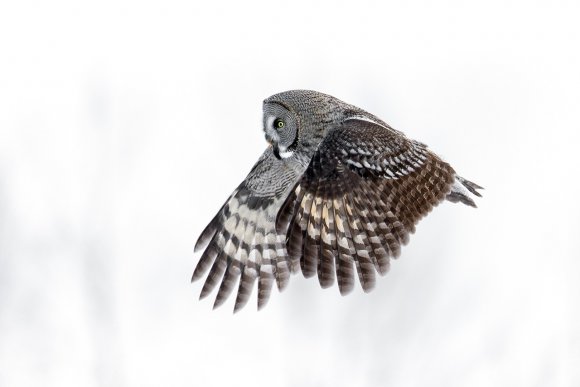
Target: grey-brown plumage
337, 192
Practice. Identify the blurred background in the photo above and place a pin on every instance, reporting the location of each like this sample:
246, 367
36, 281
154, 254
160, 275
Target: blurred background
124, 125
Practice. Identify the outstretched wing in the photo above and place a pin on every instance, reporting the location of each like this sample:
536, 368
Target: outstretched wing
359, 199
241, 241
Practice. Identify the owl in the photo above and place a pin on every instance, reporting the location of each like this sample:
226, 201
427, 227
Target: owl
335, 195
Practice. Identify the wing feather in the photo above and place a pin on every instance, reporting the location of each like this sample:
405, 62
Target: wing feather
344, 260
327, 240
363, 263
249, 272
216, 272
228, 282
378, 254
245, 287
308, 261
241, 242
265, 283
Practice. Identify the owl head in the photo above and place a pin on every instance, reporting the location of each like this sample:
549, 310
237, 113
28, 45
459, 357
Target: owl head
298, 120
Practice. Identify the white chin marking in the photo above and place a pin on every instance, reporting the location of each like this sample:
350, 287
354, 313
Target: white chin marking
285, 154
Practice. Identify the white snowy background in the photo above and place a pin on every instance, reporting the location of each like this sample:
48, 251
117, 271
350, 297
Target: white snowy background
124, 125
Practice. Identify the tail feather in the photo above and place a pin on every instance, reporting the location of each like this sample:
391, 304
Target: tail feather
463, 191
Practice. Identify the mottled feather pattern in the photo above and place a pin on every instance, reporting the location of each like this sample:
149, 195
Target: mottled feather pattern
350, 185
244, 246
335, 196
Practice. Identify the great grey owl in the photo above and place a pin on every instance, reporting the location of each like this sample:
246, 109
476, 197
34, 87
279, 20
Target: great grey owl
336, 191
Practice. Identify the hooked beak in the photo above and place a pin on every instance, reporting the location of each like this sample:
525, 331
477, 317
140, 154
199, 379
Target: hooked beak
273, 143
271, 136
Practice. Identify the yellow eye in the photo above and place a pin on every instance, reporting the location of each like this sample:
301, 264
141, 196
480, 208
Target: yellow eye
278, 123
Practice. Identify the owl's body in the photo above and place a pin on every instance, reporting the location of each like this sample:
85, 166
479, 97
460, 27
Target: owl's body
338, 191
